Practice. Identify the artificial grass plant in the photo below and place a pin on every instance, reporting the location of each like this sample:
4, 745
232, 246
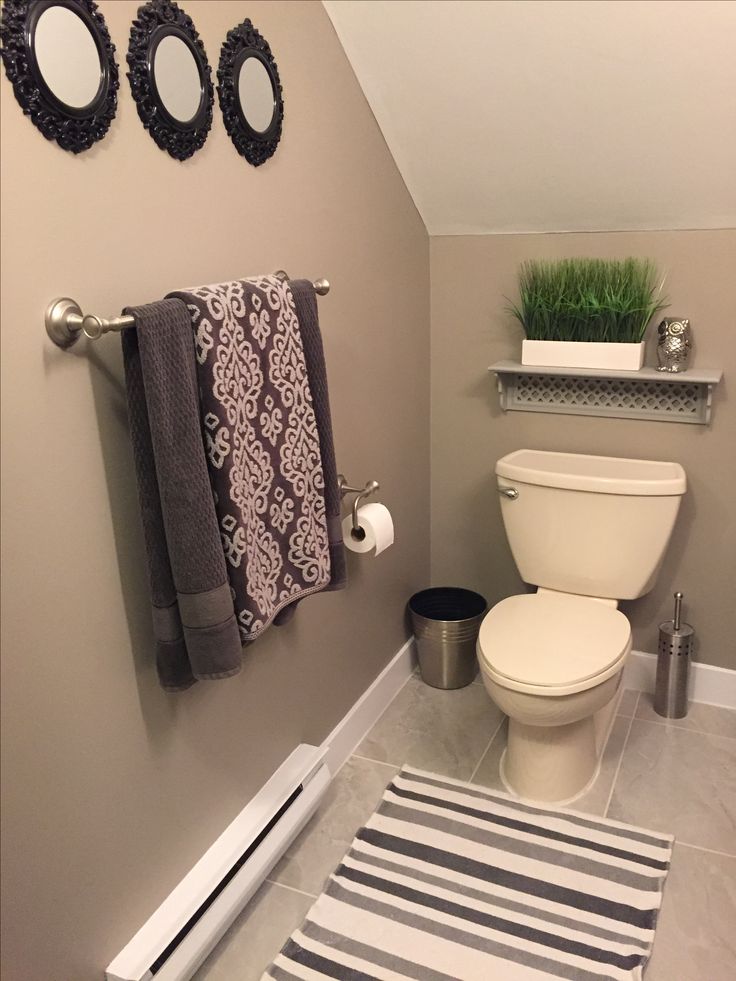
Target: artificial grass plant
588, 299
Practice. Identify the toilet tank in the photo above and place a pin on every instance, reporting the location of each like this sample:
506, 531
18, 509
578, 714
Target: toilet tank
592, 525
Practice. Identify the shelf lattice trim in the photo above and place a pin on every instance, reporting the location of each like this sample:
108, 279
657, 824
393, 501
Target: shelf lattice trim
625, 397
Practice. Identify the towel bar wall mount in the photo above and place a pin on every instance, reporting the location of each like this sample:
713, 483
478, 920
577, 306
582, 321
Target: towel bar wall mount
65, 323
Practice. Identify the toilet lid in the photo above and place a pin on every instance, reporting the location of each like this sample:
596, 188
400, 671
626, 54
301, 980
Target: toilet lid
552, 641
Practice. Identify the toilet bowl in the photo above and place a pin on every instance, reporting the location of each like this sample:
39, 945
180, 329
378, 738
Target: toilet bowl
553, 664
587, 531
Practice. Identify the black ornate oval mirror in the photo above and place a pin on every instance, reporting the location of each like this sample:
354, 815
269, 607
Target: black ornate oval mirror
61, 62
170, 78
249, 90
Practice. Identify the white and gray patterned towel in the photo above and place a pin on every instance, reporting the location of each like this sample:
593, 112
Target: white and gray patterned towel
262, 445
451, 882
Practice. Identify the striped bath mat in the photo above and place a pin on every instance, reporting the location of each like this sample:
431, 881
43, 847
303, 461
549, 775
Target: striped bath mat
449, 881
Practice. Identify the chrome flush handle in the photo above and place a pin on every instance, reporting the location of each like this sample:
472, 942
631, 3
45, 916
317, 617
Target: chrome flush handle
510, 492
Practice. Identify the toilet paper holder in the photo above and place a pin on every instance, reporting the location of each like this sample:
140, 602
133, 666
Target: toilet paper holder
360, 492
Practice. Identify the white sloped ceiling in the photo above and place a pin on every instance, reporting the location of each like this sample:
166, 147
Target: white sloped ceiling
553, 115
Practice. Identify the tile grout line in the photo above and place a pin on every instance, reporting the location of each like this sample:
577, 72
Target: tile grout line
483, 754
702, 848
368, 759
672, 724
621, 757
283, 885
300, 892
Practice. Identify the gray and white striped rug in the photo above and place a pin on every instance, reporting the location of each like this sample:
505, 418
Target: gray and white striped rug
449, 881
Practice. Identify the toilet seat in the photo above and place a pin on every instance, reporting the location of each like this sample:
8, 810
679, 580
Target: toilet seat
552, 644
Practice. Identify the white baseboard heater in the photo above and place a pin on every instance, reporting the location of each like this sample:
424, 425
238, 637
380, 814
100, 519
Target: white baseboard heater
177, 938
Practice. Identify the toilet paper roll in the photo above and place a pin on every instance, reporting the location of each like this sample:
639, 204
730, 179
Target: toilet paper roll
375, 520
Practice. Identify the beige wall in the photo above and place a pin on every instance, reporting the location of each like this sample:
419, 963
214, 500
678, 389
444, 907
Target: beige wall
470, 277
112, 788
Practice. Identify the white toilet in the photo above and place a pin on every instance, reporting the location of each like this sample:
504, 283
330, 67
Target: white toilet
588, 531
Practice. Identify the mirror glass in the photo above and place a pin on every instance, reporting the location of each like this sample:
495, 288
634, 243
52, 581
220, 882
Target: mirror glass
177, 78
67, 56
255, 92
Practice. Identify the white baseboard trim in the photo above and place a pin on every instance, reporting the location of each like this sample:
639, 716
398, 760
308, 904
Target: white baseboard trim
708, 683
360, 719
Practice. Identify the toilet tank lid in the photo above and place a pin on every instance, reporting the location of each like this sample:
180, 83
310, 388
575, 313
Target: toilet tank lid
599, 474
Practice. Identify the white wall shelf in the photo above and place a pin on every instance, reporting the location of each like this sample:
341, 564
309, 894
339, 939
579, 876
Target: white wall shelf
645, 394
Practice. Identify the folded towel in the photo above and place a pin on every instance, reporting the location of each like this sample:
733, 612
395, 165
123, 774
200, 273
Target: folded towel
262, 445
194, 621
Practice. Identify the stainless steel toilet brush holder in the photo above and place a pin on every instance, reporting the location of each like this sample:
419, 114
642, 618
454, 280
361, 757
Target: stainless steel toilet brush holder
676, 640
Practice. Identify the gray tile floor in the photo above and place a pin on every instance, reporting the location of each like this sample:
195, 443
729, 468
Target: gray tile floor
677, 776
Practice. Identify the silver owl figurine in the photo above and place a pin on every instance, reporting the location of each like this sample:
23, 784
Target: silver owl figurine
673, 345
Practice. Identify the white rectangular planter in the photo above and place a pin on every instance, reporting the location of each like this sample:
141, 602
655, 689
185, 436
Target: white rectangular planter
583, 354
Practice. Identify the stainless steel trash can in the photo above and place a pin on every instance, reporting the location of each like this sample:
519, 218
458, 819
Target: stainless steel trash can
446, 621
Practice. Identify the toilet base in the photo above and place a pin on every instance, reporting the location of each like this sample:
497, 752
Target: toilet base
557, 761
550, 763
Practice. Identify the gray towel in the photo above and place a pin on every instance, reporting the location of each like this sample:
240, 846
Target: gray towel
194, 623
263, 445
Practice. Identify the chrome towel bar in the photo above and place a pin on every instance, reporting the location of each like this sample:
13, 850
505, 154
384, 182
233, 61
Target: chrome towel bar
65, 322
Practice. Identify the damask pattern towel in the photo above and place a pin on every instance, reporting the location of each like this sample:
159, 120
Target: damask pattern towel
305, 302
262, 445
193, 615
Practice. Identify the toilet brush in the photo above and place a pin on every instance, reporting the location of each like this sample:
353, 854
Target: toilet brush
676, 640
